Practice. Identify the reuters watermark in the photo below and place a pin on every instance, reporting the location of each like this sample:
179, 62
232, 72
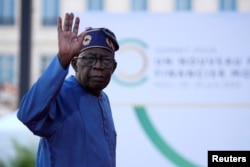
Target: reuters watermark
228, 158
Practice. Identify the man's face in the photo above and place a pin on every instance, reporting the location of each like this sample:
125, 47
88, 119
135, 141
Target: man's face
94, 74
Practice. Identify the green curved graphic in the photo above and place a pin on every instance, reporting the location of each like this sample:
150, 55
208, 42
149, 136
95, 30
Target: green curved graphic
158, 141
133, 40
139, 82
131, 83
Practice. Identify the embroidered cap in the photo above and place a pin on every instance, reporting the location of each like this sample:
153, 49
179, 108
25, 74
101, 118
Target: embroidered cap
100, 37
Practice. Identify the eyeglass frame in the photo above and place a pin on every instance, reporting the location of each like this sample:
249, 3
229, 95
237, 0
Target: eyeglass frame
95, 58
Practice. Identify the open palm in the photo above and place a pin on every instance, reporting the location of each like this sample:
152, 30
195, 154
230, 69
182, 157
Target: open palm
69, 42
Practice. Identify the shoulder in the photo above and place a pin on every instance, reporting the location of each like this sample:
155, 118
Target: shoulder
105, 97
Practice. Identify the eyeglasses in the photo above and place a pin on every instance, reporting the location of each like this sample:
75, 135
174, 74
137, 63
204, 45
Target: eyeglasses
90, 61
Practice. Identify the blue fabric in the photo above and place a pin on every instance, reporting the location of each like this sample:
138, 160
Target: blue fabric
76, 128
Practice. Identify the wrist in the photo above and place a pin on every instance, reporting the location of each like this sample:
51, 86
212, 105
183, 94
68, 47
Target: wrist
64, 62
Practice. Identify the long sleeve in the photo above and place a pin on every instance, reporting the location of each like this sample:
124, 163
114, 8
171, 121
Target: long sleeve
38, 104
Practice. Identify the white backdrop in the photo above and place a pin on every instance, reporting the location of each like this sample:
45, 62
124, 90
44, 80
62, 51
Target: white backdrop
182, 86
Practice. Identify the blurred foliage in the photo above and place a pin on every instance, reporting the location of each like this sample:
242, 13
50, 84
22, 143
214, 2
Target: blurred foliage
2, 163
24, 157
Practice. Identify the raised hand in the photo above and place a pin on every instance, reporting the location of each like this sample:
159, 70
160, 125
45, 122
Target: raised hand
69, 42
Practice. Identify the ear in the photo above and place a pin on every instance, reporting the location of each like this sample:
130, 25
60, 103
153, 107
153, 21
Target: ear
115, 65
74, 64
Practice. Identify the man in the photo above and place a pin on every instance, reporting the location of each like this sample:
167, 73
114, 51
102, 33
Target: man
73, 116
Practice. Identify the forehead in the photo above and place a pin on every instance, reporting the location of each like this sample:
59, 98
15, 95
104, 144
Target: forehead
97, 51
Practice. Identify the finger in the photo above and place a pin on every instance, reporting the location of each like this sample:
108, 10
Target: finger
59, 24
81, 36
76, 25
66, 22
71, 18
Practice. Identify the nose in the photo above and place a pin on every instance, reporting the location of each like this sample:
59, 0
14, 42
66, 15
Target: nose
98, 63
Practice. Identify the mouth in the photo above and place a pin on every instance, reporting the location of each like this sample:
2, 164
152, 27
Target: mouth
98, 78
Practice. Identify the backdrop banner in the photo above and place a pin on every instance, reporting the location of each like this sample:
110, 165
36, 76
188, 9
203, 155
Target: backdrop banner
182, 85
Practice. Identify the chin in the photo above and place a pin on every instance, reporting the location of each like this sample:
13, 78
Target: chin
97, 87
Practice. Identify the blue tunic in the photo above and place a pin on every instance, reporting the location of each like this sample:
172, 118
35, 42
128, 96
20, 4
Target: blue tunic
76, 128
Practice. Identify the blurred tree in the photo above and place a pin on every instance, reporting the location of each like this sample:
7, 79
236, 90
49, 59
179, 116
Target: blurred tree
2, 163
24, 157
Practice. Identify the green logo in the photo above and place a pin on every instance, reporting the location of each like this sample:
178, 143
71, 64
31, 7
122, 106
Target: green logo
135, 62
158, 141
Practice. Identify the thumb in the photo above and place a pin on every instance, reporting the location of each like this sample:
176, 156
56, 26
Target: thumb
81, 36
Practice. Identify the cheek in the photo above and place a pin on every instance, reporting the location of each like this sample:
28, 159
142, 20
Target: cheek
82, 74
109, 73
